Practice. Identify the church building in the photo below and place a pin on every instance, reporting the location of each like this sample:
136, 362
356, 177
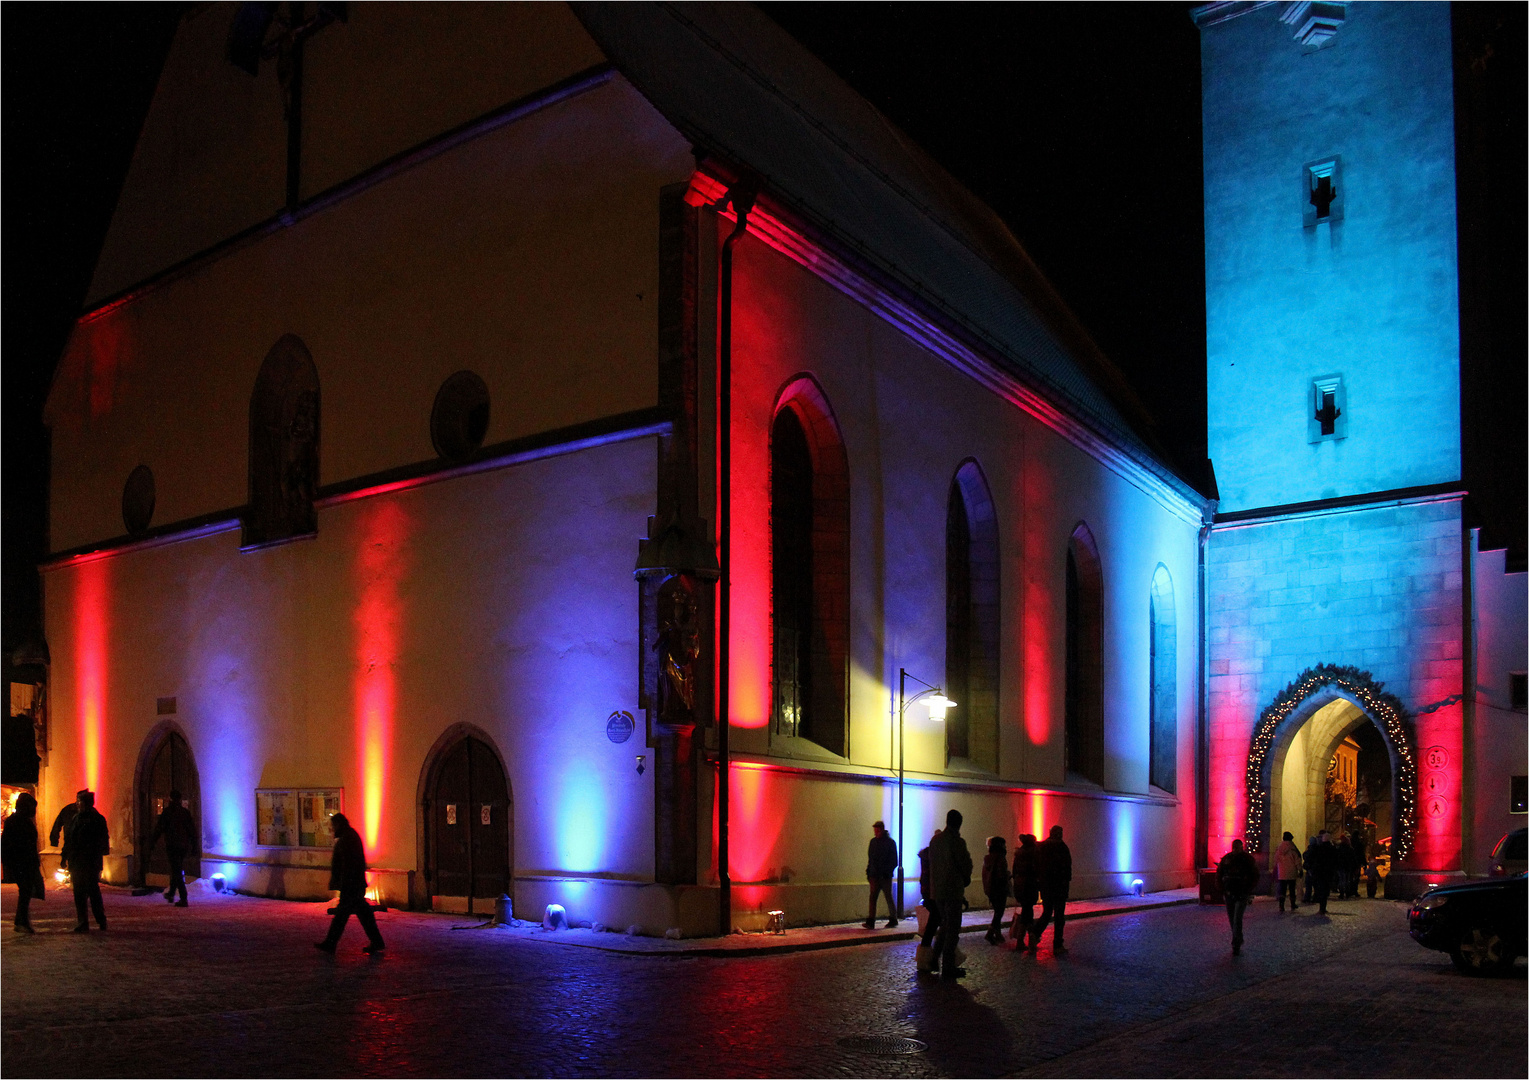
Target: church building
592, 448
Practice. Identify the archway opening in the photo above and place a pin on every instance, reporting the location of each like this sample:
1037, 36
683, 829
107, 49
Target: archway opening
1334, 774
165, 765
468, 817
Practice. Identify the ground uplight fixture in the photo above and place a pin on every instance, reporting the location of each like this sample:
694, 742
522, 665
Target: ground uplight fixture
219, 883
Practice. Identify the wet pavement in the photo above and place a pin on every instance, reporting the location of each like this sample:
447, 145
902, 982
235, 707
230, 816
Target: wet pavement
232, 986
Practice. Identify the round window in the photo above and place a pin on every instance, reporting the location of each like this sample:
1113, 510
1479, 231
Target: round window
459, 418
138, 500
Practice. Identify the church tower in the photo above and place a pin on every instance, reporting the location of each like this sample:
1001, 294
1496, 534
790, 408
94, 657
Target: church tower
1337, 600
1333, 348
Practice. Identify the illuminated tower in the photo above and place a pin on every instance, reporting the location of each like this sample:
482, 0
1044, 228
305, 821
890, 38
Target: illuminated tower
1333, 349
1337, 575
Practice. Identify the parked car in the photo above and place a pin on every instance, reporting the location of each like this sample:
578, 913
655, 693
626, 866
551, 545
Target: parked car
1511, 855
1479, 923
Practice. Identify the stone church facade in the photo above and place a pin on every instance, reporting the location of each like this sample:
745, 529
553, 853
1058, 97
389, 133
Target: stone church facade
551, 433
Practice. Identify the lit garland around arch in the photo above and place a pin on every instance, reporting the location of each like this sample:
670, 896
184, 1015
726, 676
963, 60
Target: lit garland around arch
1383, 707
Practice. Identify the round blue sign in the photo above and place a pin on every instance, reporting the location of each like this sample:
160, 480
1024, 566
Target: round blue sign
619, 728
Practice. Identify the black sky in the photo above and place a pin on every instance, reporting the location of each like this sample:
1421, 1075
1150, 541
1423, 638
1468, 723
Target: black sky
1078, 123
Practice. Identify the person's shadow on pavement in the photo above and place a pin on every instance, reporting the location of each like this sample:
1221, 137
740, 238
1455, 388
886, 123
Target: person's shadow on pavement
965, 1037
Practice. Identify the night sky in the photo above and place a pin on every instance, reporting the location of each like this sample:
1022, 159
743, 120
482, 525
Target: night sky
1078, 123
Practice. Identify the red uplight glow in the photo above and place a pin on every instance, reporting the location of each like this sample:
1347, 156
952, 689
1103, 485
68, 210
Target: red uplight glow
90, 676
379, 566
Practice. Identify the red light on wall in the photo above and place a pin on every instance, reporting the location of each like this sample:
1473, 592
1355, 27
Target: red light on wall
379, 567
90, 632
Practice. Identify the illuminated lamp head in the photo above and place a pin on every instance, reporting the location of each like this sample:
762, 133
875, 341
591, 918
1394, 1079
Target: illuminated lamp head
939, 705
219, 883
1138, 886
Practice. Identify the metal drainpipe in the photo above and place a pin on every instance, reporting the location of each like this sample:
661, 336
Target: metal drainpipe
741, 195
1202, 728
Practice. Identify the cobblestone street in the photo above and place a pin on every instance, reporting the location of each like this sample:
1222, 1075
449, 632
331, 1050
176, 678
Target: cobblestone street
232, 986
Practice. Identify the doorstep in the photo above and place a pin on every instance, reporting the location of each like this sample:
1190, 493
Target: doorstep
808, 939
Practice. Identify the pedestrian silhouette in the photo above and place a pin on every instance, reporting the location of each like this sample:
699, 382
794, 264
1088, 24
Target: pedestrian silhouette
1237, 874
995, 884
880, 865
21, 862
924, 956
179, 830
1025, 881
1321, 866
86, 845
347, 874
1054, 859
950, 872
1287, 870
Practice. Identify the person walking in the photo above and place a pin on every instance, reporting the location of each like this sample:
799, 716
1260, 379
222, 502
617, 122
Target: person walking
86, 845
1321, 865
880, 865
1237, 874
1054, 860
347, 874
175, 824
1309, 893
1025, 883
1347, 887
1287, 871
950, 872
924, 956
20, 861
995, 885
1371, 876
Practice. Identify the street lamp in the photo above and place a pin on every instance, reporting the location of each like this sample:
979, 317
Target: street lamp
938, 705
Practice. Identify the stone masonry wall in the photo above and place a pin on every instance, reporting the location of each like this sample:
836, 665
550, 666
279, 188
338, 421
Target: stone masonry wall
1378, 588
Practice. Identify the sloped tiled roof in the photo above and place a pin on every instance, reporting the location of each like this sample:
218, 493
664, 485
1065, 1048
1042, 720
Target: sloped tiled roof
740, 87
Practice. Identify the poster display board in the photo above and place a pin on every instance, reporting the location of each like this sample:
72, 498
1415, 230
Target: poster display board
296, 817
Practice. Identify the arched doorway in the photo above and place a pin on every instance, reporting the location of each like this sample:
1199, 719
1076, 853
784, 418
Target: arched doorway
165, 765
1329, 713
468, 822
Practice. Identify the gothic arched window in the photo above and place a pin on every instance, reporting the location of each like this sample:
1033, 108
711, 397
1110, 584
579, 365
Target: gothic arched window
1163, 702
284, 446
971, 620
809, 550
1084, 703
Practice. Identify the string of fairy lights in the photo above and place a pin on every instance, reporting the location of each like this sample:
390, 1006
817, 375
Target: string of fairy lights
1384, 707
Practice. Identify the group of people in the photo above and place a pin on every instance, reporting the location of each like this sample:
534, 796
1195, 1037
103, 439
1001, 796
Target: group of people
1040, 872
1325, 866
87, 842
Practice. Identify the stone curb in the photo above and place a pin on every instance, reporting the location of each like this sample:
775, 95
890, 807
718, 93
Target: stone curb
783, 945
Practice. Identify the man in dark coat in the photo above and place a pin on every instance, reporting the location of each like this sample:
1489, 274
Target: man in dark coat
1055, 862
950, 872
61, 823
179, 830
1026, 886
86, 845
18, 855
880, 865
1237, 874
1321, 866
347, 874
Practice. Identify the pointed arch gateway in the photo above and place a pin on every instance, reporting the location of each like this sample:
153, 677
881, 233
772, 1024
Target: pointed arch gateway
1312, 690
165, 764
466, 819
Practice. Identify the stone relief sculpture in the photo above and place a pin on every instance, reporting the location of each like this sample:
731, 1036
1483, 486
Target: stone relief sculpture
678, 647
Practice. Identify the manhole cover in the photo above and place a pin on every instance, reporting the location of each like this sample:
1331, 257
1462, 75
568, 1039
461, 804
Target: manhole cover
883, 1045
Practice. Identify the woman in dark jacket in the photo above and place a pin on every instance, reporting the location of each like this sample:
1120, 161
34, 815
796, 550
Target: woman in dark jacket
22, 865
1026, 885
995, 884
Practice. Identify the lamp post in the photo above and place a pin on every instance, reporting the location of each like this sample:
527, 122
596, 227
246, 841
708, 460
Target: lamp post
938, 705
